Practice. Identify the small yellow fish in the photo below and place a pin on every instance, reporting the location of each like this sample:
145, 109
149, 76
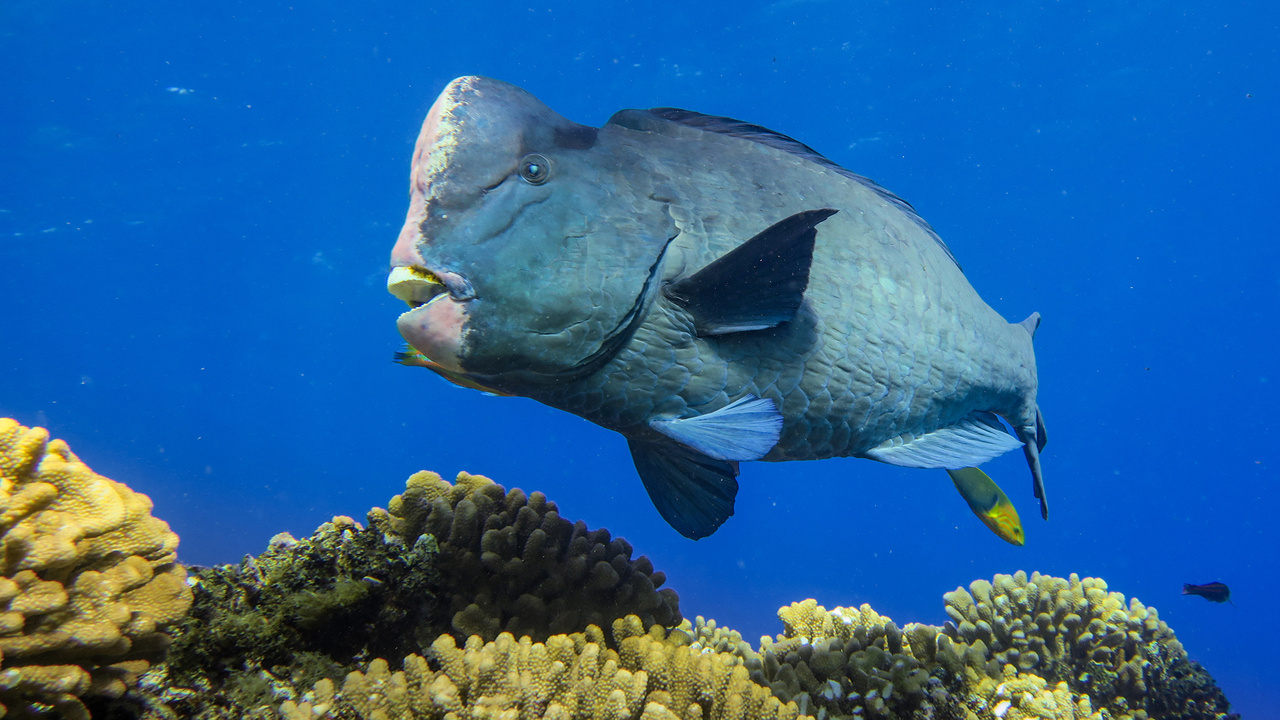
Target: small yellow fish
411, 357
989, 503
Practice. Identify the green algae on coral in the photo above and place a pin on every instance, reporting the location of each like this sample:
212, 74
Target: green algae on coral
320, 607
301, 611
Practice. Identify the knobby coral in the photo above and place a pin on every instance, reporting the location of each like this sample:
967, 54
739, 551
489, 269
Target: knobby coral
654, 675
509, 562
1072, 631
89, 579
465, 558
1018, 647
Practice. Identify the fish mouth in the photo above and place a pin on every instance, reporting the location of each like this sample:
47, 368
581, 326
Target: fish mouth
436, 322
415, 285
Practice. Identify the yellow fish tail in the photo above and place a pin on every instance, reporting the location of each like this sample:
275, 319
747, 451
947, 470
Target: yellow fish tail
989, 503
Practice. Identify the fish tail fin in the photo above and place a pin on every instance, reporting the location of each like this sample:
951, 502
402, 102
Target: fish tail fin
1031, 324
408, 355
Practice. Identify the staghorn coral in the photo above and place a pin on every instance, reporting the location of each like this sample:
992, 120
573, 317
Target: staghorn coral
652, 675
90, 579
511, 563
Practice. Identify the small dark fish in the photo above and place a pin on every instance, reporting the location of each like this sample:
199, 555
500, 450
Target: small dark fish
1213, 592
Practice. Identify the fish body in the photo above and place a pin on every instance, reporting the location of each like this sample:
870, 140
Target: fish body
713, 291
1213, 592
989, 503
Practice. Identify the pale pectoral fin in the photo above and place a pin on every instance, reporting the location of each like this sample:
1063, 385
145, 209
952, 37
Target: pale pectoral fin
745, 429
989, 503
758, 284
972, 441
693, 493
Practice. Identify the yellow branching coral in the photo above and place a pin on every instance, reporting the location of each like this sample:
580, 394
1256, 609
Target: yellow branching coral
1018, 648
510, 563
651, 675
1025, 696
846, 661
89, 578
1070, 630
808, 619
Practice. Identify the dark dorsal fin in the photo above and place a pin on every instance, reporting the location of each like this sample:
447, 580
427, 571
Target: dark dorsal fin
778, 141
759, 284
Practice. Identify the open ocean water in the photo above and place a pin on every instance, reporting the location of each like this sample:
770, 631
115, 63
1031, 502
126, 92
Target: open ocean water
198, 202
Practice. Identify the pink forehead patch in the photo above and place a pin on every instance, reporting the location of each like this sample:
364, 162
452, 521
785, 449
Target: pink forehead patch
437, 123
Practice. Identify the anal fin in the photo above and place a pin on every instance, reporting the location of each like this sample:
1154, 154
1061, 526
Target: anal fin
693, 493
759, 284
967, 443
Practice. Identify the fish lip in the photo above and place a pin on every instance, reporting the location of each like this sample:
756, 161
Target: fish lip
437, 329
418, 285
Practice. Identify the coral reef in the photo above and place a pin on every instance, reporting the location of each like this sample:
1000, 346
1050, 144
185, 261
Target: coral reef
491, 605
89, 584
510, 563
321, 606
1018, 647
300, 611
1119, 656
653, 675
852, 662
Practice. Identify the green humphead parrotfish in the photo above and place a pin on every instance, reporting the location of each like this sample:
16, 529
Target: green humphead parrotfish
714, 291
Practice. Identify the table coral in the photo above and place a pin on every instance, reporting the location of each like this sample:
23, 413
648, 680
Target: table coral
90, 579
511, 563
651, 675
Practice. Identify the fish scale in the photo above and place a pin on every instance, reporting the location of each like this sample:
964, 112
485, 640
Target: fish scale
713, 291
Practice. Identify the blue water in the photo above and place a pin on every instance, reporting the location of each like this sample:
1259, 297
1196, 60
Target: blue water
197, 203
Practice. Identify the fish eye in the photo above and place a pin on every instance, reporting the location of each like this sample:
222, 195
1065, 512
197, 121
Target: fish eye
535, 169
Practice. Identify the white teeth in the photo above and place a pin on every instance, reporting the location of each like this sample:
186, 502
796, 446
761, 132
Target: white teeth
413, 285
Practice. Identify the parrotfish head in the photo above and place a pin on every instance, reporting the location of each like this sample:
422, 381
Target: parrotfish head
522, 258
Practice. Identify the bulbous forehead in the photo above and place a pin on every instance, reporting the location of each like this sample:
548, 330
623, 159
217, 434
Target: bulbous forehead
478, 128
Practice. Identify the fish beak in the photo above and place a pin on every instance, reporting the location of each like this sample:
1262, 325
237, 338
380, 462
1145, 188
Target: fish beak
437, 319
414, 285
